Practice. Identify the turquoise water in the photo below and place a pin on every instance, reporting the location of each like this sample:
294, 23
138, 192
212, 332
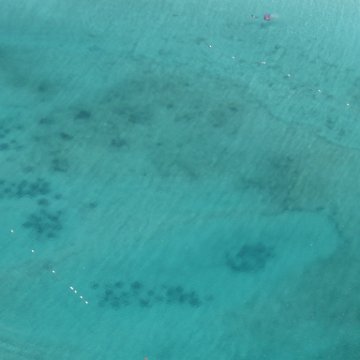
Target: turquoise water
179, 180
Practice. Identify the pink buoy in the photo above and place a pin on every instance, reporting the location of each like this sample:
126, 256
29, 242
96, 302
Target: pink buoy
267, 17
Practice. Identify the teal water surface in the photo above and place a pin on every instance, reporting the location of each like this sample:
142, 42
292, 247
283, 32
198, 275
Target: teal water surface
179, 180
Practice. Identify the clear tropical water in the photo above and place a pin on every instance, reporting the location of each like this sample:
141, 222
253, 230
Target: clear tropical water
179, 180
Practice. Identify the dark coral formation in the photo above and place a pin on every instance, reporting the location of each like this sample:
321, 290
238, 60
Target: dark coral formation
4, 146
44, 223
176, 294
65, 136
249, 258
118, 143
4, 132
121, 294
82, 115
46, 121
24, 188
43, 202
59, 165
7, 143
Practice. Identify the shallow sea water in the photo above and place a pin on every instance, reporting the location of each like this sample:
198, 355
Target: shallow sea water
179, 180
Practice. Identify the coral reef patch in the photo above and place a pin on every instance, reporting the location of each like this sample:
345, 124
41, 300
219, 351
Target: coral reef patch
120, 294
249, 258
